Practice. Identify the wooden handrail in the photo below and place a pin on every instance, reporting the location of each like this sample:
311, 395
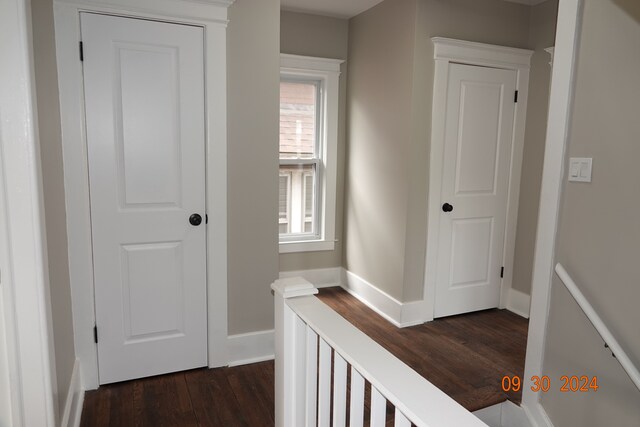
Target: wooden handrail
596, 321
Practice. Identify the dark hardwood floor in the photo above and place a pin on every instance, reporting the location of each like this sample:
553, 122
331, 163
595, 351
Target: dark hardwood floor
466, 356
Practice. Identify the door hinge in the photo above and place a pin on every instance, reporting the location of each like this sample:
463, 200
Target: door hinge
515, 97
95, 334
81, 49
206, 218
501, 272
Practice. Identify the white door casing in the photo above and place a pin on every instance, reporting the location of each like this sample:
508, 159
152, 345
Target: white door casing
144, 97
448, 53
478, 134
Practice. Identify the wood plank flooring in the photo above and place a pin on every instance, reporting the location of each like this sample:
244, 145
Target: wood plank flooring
466, 356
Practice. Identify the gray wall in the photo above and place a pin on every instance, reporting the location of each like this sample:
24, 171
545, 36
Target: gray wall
541, 36
253, 74
48, 109
389, 111
381, 49
599, 233
325, 37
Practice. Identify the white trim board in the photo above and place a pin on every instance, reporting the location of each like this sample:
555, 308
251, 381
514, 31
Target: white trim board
23, 257
400, 314
558, 129
447, 51
320, 277
212, 16
519, 303
252, 347
75, 398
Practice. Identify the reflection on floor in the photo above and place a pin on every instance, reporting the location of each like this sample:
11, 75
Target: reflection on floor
466, 356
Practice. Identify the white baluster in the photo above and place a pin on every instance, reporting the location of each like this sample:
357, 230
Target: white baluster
339, 390
300, 374
324, 391
401, 420
312, 377
378, 408
356, 405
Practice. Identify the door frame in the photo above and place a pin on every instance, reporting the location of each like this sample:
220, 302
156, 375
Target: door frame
447, 51
29, 357
212, 17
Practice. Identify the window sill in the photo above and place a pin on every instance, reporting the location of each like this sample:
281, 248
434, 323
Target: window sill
307, 246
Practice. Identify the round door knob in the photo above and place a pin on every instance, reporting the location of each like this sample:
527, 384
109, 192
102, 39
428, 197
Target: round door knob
195, 219
447, 207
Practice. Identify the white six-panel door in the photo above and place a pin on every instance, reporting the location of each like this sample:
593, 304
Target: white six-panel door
478, 141
144, 95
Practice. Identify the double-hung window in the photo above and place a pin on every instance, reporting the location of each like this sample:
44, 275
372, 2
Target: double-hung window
308, 147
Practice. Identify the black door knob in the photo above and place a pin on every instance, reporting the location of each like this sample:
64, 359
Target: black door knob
195, 219
447, 207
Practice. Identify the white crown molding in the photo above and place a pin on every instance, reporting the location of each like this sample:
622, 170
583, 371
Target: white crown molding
481, 53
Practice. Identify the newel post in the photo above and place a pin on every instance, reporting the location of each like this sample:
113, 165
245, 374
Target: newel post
286, 345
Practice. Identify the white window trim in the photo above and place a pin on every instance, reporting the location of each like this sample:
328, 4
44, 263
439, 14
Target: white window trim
328, 72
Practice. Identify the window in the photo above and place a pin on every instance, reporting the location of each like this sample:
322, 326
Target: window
308, 146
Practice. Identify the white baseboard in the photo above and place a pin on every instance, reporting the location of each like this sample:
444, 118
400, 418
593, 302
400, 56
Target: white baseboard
398, 313
519, 303
507, 414
320, 277
249, 348
75, 398
537, 416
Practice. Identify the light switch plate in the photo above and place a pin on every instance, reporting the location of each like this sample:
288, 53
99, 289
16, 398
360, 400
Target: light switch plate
580, 169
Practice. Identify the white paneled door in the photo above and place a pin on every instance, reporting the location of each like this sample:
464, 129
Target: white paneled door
144, 96
477, 156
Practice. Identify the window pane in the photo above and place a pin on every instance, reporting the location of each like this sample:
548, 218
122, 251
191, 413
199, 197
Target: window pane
308, 202
298, 120
297, 187
284, 201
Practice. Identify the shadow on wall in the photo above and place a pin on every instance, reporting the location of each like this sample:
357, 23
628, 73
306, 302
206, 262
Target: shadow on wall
632, 7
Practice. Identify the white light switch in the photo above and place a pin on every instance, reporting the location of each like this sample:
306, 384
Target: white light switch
580, 169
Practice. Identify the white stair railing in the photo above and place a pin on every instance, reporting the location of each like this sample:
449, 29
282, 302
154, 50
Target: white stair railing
601, 327
307, 334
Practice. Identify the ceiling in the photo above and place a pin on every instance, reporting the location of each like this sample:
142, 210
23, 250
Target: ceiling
348, 8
